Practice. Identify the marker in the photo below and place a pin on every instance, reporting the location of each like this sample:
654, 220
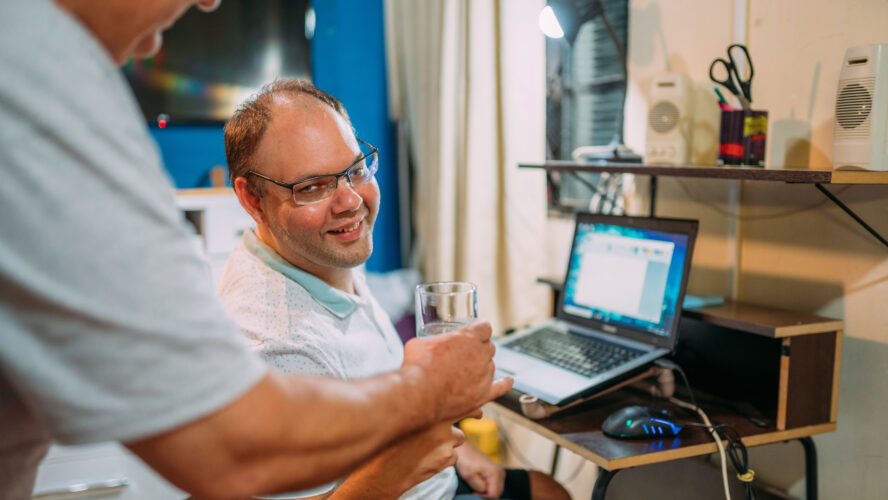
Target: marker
720, 96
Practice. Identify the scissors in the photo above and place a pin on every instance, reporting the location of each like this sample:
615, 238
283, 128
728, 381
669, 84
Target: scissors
734, 81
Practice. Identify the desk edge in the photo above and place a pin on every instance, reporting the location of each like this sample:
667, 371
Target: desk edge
662, 456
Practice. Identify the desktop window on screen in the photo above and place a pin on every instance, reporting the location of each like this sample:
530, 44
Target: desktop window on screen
625, 276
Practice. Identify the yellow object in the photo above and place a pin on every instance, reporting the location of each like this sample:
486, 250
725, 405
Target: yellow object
483, 434
748, 477
753, 125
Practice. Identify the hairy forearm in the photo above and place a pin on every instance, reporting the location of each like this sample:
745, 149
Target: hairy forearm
289, 433
350, 422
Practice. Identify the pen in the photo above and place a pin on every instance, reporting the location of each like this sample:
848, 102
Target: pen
720, 96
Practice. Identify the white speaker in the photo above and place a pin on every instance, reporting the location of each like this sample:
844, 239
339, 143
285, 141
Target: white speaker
860, 140
670, 121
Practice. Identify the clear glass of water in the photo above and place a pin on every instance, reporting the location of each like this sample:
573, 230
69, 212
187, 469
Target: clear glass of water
444, 306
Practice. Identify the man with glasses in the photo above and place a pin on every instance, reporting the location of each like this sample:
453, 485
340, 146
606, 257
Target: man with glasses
110, 328
308, 182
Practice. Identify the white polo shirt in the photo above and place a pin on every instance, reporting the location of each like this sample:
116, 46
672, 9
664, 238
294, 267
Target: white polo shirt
300, 324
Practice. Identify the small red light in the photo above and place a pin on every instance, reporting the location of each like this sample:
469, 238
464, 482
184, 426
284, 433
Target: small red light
162, 123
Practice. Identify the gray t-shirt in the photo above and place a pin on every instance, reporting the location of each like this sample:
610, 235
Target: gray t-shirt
109, 328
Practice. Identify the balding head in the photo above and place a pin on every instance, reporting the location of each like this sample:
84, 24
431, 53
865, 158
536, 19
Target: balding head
245, 129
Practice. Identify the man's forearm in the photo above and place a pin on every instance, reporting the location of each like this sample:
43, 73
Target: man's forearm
289, 433
403, 465
353, 421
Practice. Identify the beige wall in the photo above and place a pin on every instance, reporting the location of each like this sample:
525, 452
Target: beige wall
789, 248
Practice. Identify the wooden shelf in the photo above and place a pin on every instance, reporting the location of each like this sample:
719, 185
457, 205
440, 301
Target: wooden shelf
790, 176
750, 318
761, 320
796, 176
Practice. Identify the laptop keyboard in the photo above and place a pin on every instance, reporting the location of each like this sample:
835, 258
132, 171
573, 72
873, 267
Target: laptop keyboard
572, 351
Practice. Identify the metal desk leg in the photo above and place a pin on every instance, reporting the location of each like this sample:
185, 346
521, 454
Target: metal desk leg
555, 454
810, 468
604, 478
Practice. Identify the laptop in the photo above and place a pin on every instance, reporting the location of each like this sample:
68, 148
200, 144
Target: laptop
618, 312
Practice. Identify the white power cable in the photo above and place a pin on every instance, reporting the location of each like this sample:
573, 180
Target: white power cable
715, 436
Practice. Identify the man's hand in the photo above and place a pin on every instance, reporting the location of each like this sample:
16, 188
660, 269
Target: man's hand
294, 432
486, 477
456, 369
404, 465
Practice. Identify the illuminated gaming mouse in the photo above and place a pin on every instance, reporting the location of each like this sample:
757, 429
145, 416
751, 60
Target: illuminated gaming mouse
640, 422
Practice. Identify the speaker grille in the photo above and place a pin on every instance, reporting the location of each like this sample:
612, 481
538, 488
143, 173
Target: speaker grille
854, 104
663, 117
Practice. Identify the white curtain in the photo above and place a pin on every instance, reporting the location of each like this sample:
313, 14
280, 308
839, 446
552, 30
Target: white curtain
468, 78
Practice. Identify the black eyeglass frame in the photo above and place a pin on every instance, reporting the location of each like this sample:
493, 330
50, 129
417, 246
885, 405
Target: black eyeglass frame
345, 173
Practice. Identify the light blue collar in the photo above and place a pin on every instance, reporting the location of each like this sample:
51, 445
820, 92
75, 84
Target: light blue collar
334, 300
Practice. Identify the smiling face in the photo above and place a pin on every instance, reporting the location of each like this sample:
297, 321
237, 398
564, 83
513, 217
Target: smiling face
306, 138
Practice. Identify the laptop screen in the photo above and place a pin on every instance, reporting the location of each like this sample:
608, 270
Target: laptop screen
624, 276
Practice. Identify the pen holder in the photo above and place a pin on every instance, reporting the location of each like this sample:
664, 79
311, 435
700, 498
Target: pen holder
742, 137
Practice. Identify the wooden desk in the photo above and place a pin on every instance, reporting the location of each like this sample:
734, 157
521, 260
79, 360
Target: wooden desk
742, 359
579, 430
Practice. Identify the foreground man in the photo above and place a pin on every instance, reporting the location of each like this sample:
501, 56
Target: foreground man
309, 184
109, 324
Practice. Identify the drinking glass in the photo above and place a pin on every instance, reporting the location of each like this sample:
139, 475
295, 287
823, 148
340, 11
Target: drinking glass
444, 306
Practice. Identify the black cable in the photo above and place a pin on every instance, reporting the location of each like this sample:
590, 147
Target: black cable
665, 363
739, 456
736, 450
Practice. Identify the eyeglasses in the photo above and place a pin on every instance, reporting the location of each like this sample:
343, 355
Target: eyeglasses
319, 188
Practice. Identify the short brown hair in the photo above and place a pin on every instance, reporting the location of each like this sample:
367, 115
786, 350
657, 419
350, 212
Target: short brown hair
247, 126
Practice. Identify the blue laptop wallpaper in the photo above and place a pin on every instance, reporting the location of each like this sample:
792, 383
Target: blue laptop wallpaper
625, 276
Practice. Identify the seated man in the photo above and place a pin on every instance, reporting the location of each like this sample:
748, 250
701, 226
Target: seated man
309, 184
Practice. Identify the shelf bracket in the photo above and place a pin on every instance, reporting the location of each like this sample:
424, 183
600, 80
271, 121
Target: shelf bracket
653, 205
850, 212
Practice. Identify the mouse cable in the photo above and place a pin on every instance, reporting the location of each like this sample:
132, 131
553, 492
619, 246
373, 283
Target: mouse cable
741, 461
737, 452
693, 406
669, 365
715, 437
739, 456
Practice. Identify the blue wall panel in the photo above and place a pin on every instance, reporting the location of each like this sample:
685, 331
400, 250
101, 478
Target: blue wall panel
348, 61
190, 151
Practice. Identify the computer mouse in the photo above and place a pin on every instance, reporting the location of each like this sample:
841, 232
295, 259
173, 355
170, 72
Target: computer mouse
640, 422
